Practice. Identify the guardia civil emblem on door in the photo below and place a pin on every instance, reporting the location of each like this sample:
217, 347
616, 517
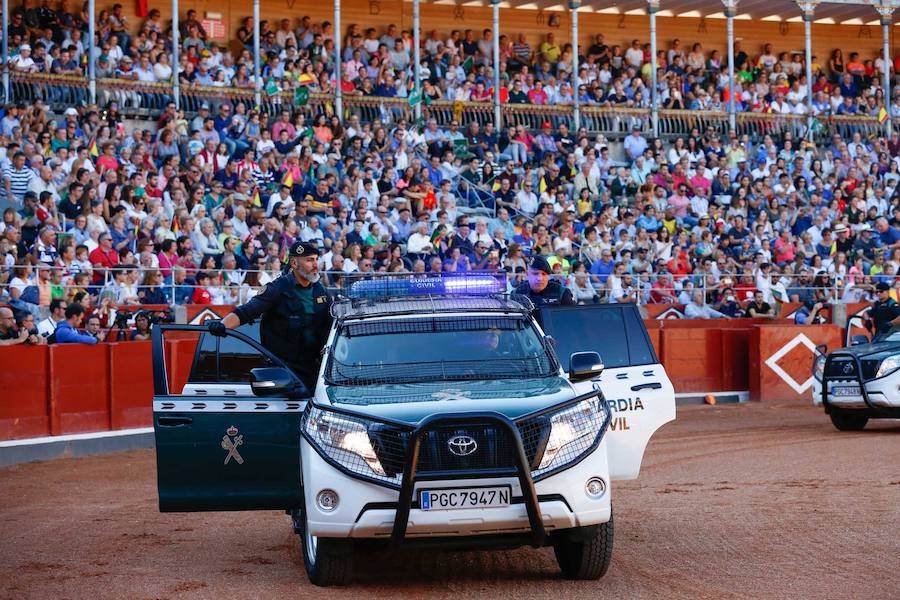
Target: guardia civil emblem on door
230, 442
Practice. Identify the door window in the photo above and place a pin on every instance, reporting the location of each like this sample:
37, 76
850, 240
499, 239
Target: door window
615, 332
226, 360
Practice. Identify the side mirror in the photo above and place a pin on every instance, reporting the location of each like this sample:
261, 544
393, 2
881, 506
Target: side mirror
584, 365
857, 340
276, 381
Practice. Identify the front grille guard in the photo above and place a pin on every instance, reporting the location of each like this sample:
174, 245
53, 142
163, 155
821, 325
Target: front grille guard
857, 376
521, 470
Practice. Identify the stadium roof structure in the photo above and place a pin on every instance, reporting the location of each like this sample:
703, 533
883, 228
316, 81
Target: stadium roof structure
830, 12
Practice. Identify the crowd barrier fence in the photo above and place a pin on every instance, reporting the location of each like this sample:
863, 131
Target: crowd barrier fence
149, 99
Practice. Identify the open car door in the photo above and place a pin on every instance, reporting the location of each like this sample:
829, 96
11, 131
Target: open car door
637, 390
226, 414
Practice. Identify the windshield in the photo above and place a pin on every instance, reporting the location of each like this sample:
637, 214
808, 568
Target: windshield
891, 336
438, 349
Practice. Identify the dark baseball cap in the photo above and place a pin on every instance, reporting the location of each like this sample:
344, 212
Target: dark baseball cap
303, 249
882, 287
539, 263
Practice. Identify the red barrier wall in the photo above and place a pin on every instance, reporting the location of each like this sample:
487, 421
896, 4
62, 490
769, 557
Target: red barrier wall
131, 385
179, 358
25, 400
79, 388
781, 359
735, 352
656, 340
95, 388
693, 358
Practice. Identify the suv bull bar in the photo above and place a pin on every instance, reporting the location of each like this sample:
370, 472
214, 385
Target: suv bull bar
879, 411
522, 470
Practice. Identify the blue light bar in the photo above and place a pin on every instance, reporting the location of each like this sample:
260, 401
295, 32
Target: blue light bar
444, 284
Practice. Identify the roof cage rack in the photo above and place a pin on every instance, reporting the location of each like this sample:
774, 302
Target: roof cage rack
366, 295
384, 286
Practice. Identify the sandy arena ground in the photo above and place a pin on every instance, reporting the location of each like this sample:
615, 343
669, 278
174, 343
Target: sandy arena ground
752, 501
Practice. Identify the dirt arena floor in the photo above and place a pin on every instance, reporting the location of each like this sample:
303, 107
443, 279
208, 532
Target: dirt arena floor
751, 501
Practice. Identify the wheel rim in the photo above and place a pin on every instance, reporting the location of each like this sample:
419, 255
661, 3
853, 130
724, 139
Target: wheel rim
311, 545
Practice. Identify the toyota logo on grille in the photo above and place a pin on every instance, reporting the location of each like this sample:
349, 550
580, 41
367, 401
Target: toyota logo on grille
848, 367
462, 445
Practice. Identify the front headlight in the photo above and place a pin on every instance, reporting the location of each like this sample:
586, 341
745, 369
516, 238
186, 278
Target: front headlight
572, 431
819, 367
343, 439
888, 366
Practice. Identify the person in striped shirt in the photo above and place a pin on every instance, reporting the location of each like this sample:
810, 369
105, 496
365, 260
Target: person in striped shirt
17, 178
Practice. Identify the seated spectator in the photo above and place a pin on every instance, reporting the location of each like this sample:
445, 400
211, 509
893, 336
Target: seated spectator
67, 330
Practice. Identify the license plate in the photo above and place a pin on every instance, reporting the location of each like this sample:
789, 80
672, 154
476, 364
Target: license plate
456, 498
846, 390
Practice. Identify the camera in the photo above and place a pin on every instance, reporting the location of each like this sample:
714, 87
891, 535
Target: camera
33, 331
162, 317
121, 320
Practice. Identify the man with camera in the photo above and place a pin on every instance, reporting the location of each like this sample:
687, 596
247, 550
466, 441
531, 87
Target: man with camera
295, 312
10, 335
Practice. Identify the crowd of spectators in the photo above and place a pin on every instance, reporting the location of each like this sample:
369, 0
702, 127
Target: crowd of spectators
199, 209
454, 66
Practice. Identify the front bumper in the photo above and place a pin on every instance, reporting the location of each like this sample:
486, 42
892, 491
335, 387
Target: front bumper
368, 510
878, 397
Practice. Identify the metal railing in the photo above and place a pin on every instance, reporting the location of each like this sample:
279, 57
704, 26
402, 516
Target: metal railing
148, 99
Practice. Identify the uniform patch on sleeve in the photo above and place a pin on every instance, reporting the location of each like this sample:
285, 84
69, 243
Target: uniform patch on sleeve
320, 300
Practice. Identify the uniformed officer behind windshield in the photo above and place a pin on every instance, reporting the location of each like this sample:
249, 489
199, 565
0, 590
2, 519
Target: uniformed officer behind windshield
541, 288
295, 311
885, 312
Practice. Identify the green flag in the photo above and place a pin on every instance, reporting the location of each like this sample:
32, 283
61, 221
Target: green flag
301, 95
308, 132
468, 65
272, 87
415, 97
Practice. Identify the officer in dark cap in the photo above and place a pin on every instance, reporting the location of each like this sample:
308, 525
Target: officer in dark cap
541, 288
295, 311
885, 312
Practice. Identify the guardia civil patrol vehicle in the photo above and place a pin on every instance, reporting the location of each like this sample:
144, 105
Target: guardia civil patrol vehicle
448, 414
860, 381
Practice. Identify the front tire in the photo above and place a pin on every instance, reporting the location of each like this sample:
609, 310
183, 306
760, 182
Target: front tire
848, 421
585, 553
328, 561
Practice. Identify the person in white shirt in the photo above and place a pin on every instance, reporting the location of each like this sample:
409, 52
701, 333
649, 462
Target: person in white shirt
23, 61
312, 232
698, 310
764, 282
526, 200
634, 56
144, 70
779, 105
162, 70
420, 242
57, 315
796, 93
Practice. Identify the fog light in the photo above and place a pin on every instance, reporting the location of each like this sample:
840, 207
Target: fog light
327, 500
595, 487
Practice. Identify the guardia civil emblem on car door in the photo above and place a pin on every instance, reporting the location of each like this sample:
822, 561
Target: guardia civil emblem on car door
230, 442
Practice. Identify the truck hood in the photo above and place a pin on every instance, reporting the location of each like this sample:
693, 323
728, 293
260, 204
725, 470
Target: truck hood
869, 349
413, 402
